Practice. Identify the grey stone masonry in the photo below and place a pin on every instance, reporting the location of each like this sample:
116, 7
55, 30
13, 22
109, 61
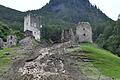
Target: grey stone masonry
67, 35
83, 32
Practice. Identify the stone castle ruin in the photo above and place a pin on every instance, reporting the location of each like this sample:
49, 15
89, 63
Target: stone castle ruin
32, 26
83, 33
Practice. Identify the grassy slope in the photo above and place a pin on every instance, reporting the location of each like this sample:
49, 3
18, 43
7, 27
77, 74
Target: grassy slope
107, 63
5, 60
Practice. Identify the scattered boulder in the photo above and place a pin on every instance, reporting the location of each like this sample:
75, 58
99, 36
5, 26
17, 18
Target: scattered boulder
28, 41
7, 53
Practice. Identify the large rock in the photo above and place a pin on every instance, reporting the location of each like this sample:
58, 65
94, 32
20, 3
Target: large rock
28, 41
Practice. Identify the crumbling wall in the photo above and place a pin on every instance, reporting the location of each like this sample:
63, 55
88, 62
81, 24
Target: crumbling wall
67, 35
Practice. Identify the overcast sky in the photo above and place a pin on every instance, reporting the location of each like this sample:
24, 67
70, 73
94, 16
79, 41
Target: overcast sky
110, 7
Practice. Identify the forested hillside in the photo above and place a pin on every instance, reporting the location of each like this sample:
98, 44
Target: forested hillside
11, 17
6, 30
110, 38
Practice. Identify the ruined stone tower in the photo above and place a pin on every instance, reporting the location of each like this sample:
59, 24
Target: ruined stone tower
67, 35
83, 32
32, 24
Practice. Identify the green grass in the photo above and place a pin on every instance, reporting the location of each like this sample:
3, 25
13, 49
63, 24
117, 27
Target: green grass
5, 60
107, 63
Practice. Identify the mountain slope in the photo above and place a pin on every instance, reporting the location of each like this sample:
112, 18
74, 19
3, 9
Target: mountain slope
75, 11
11, 17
